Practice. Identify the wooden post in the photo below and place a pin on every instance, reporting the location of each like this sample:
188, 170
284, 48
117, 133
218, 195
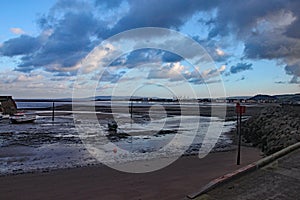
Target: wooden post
53, 111
239, 110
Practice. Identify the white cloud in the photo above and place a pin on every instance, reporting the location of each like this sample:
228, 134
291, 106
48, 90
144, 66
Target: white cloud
17, 31
222, 68
220, 52
105, 87
25, 78
35, 85
38, 84
97, 59
176, 68
172, 71
179, 72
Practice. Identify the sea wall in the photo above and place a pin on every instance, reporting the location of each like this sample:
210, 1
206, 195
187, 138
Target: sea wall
273, 129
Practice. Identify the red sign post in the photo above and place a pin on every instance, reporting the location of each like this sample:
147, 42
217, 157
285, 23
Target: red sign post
240, 110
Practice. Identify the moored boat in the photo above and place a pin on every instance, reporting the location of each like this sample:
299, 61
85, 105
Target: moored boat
22, 118
2, 116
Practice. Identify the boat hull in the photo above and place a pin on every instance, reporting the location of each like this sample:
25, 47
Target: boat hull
22, 118
20, 121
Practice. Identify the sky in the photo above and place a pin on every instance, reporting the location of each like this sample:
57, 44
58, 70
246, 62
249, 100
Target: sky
155, 48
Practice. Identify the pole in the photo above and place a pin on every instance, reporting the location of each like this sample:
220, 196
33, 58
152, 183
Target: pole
237, 124
131, 110
53, 111
238, 161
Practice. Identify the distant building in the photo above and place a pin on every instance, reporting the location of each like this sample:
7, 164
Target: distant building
7, 105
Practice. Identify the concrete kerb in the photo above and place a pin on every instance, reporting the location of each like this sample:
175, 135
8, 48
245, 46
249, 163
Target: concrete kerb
244, 170
271, 158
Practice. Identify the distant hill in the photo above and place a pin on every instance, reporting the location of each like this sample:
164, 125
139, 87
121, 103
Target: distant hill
263, 97
289, 97
282, 98
239, 97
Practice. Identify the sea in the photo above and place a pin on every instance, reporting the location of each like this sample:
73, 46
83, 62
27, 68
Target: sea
47, 145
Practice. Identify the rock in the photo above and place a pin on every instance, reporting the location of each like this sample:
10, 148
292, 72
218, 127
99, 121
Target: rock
297, 137
112, 125
275, 128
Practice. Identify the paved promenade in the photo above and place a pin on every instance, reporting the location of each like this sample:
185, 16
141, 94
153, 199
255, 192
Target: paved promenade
278, 180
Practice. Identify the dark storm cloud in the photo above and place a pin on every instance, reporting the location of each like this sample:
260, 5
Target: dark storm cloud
240, 16
294, 29
157, 13
142, 56
72, 33
295, 80
275, 47
263, 27
171, 57
240, 67
68, 43
138, 57
293, 70
19, 46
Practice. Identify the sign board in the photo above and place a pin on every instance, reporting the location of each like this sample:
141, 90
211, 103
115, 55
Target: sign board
240, 109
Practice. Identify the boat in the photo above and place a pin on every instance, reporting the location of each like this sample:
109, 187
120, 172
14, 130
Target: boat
2, 116
22, 118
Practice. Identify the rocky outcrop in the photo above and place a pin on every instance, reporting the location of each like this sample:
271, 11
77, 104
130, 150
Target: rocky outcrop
7, 105
273, 129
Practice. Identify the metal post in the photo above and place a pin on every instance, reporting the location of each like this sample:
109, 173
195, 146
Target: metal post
237, 124
53, 111
240, 138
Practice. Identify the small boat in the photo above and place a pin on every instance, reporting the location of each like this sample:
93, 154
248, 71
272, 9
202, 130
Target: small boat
2, 116
22, 118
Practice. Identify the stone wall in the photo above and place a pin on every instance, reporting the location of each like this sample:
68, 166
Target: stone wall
273, 129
